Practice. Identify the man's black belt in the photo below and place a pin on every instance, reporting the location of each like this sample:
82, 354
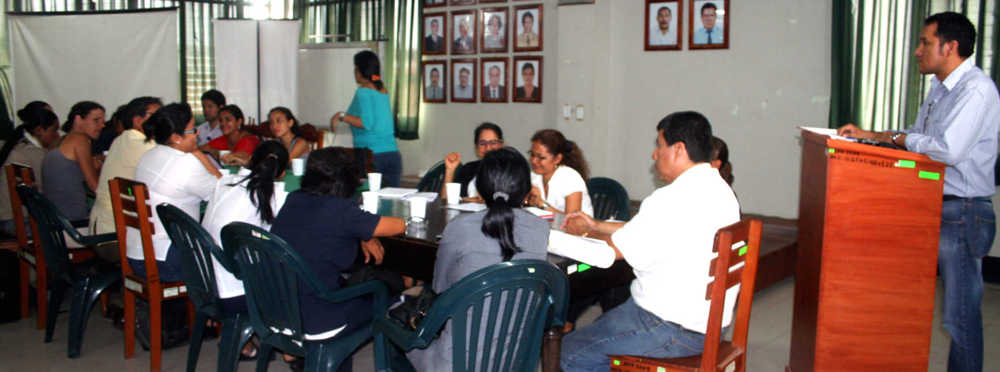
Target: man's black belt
947, 197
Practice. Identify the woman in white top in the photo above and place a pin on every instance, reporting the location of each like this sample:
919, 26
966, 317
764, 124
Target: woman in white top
559, 173
175, 172
38, 132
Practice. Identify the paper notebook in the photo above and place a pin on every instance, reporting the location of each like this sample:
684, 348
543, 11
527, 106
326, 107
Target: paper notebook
395, 192
590, 251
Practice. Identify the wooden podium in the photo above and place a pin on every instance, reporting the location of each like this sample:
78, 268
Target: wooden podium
869, 219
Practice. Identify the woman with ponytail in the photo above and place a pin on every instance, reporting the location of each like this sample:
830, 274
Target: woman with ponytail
473, 241
560, 173
371, 118
38, 132
70, 170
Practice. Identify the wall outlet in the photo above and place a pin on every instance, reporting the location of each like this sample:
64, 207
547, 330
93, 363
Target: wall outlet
579, 112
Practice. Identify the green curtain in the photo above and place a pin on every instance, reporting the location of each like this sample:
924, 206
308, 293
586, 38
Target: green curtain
402, 65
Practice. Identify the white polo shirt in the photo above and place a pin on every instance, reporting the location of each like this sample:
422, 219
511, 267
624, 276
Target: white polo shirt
564, 181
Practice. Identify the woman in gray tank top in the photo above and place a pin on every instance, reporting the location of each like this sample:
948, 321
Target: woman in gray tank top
69, 170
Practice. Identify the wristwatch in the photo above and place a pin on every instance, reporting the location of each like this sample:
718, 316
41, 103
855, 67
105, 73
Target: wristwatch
895, 136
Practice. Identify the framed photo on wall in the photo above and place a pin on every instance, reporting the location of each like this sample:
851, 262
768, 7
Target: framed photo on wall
492, 1
664, 24
493, 23
435, 75
434, 3
527, 27
435, 33
462, 2
463, 32
527, 79
494, 81
709, 27
463, 81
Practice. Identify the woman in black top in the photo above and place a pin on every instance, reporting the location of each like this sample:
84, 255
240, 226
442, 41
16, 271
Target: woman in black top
487, 137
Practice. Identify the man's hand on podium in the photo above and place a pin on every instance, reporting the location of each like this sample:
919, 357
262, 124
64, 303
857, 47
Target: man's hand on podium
853, 131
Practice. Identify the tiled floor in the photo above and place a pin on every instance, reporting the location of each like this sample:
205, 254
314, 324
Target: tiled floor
21, 347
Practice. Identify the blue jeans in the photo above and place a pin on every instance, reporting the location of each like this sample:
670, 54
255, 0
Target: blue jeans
627, 329
967, 229
390, 164
169, 270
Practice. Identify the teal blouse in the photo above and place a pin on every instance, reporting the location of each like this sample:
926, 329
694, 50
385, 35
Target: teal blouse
373, 108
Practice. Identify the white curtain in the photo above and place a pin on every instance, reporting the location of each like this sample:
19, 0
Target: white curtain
236, 64
255, 64
279, 41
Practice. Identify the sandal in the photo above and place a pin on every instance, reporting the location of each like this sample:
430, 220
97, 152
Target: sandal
252, 355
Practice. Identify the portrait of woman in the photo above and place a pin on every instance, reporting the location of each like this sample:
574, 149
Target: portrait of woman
493, 22
528, 78
528, 27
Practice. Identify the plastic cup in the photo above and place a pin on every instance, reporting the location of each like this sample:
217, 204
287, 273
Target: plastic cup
418, 208
374, 181
223, 153
369, 201
454, 192
298, 167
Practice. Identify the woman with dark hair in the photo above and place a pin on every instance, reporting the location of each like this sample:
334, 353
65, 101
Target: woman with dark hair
234, 139
560, 173
175, 172
486, 138
38, 132
70, 169
285, 127
371, 118
473, 241
324, 225
720, 160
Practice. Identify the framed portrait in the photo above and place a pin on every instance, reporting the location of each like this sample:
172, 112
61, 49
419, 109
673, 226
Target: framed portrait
494, 81
492, 1
493, 27
435, 80
664, 24
435, 33
527, 79
463, 32
527, 27
575, 2
709, 27
461, 2
434, 3
463, 80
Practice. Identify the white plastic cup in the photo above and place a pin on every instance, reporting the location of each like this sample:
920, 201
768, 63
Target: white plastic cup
454, 192
418, 208
298, 167
369, 201
374, 181
223, 153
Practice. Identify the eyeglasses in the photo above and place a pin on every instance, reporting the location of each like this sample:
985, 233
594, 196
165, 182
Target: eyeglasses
489, 143
191, 131
538, 156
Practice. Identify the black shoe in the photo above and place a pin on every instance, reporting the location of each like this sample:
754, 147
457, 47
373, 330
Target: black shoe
298, 364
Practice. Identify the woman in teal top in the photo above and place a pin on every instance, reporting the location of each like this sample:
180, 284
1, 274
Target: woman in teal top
371, 119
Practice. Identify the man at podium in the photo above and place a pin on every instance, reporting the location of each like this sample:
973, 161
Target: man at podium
957, 125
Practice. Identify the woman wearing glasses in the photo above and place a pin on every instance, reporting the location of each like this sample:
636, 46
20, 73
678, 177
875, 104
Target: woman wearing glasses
558, 181
487, 137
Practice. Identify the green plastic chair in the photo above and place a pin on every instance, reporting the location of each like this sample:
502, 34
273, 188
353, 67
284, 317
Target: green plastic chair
271, 271
609, 198
82, 278
196, 251
467, 304
433, 179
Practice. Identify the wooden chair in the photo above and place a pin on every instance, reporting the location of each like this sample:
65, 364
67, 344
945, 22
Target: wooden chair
717, 354
129, 203
28, 249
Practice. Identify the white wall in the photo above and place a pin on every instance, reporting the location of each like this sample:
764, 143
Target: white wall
774, 77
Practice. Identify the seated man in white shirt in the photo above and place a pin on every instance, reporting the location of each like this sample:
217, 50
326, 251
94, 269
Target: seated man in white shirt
669, 246
211, 101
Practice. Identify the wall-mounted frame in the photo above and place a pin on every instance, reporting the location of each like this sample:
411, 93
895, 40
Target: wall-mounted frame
435, 33
492, 1
527, 28
493, 30
664, 25
527, 78
575, 2
462, 2
463, 32
434, 3
494, 81
435, 83
463, 80
709, 28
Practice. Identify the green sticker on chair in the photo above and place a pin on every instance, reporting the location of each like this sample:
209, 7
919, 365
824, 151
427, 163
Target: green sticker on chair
929, 175
617, 362
582, 267
531, 270
743, 250
831, 150
905, 163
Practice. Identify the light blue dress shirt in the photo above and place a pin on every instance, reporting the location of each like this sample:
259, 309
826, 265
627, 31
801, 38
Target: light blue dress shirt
701, 35
957, 125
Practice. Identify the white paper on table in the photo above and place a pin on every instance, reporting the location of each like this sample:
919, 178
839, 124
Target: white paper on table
467, 207
546, 214
395, 192
593, 252
830, 132
430, 196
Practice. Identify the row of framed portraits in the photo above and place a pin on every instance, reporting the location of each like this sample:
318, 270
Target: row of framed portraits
486, 80
708, 26
485, 30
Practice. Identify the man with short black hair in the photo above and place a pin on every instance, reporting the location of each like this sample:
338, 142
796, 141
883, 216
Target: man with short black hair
669, 246
957, 125
463, 89
710, 32
211, 101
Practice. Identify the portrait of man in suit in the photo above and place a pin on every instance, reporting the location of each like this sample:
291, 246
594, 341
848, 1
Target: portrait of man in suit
464, 36
663, 26
494, 89
433, 40
463, 89
709, 29
434, 90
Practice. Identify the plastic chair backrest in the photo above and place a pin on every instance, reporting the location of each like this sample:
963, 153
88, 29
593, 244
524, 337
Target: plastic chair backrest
130, 207
19, 175
51, 225
513, 302
271, 272
196, 251
609, 199
433, 179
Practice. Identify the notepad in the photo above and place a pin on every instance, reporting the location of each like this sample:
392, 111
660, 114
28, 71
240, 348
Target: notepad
590, 251
545, 214
395, 192
467, 207
430, 196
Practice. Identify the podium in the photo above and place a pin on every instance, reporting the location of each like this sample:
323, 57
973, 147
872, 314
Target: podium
869, 219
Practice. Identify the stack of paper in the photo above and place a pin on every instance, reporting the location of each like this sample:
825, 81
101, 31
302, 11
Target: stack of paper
467, 207
593, 252
545, 214
395, 192
430, 196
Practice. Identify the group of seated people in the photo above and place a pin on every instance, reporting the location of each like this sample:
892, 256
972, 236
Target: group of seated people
179, 162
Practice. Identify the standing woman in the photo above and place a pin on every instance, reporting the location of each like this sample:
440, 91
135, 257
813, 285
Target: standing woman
38, 132
70, 169
560, 172
371, 118
285, 127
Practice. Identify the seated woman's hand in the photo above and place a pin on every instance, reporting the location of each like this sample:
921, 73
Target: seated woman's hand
474, 199
372, 248
534, 198
452, 161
